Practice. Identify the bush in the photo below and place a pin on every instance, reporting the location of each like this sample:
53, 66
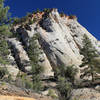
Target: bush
23, 81
16, 21
38, 10
28, 84
69, 72
4, 31
72, 17
47, 10
65, 89
3, 72
65, 76
52, 94
62, 14
30, 22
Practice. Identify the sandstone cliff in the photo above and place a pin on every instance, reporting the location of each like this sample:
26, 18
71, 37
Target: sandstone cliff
60, 40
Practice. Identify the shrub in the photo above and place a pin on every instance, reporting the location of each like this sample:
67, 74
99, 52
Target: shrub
37, 83
38, 10
72, 17
52, 94
24, 81
65, 88
62, 14
30, 22
69, 72
47, 10
3, 72
4, 31
28, 84
16, 21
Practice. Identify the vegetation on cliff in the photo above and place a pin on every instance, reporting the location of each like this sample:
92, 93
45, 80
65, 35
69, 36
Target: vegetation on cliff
4, 32
65, 76
33, 52
90, 53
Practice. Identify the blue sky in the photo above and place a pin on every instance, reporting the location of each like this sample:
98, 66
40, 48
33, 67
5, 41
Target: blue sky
87, 11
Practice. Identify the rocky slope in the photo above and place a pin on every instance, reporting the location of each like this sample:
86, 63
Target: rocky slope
60, 38
11, 92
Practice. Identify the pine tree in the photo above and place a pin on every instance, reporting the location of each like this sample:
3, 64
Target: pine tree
90, 53
65, 89
33, 52
4, 32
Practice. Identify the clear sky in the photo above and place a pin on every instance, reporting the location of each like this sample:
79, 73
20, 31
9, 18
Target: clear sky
87, 11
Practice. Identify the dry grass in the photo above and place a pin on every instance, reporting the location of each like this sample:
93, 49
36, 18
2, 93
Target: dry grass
72, 17
14, 98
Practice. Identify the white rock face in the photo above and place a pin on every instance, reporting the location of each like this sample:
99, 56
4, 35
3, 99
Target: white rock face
13, 70
12, 67
20, 54
60, 38
26, 35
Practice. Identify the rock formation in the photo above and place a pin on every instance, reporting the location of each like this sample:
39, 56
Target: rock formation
60, 40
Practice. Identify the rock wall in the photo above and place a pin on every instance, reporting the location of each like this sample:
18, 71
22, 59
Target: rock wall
60, 39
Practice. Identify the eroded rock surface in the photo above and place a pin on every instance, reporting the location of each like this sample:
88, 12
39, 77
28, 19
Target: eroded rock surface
60, 39
86, 94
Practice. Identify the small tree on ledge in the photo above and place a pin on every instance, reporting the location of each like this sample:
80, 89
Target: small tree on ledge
90, 53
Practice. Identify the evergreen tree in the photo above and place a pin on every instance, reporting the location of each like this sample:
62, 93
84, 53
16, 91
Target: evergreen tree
33, 52
4, 32
65, 89
90, 53
69, 72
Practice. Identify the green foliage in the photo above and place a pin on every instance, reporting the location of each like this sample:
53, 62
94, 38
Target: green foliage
24, 81
62, 14
5, 75
32, 21
66, 77
47, 10
38, 10
3, 83
3, 72
76, 99
52, 94
33, 52
24, 20
3, 13
4, 32
69, 72
28, 84
37, 83
3, 52
16, 21
90, 53
19, 20
65, 88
